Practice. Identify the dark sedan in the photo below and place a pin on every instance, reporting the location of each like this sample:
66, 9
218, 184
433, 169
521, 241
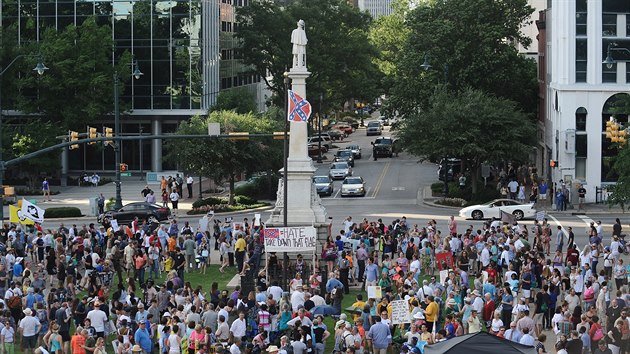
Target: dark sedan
152, 213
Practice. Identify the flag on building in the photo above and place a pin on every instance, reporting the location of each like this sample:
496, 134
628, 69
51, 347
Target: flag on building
299, 108
31, 211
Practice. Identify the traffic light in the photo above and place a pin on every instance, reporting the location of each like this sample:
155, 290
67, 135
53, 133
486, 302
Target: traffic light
123, 167
74, 136
238, 136
109, 133
92, 134
612, 130
553, 163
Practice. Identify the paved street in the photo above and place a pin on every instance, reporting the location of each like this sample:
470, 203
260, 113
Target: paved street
394, 188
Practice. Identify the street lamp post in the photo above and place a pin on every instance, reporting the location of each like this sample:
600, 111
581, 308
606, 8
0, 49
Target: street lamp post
609, 61
319, 129
40, 68
136, 74
426, 66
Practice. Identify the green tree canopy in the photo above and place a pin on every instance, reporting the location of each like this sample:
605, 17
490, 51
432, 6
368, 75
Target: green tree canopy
469, 44
30, 137
240, 100
473, 126
223, 159
78, 87
339, 54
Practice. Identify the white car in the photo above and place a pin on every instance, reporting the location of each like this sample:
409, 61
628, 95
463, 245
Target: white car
353, 186
340, 170
493, 210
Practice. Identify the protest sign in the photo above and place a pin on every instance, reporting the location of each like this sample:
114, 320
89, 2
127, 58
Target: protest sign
374, 292
290, 239
400, 312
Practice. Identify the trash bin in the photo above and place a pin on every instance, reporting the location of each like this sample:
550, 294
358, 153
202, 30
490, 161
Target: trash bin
94, 206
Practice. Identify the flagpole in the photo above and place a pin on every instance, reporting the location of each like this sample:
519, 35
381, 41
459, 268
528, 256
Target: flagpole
285, 186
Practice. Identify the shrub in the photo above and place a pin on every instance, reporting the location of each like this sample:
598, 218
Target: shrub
259, 188
27, 191
222, 208
209, 201
62, 212
437, 187
244, 200
454, 202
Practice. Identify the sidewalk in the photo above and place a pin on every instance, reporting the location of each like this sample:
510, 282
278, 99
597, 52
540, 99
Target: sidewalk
589, 208
75, 196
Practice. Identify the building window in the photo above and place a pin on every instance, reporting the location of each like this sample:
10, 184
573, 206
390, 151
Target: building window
580, 119
580, 59
609, 25
581, 148
580, 17
628, 25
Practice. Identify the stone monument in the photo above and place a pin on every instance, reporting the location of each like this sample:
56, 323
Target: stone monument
304, 205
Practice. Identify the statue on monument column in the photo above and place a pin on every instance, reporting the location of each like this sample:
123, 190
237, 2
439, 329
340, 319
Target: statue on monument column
298, 38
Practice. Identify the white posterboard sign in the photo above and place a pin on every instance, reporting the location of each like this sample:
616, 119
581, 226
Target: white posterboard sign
400, 312
444, 275
290, 239
484, 277
115, 226
256, 219
374, 292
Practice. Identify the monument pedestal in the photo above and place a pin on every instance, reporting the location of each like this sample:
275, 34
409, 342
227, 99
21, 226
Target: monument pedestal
303, 204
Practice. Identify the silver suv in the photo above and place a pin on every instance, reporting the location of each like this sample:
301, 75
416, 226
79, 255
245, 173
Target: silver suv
374, 128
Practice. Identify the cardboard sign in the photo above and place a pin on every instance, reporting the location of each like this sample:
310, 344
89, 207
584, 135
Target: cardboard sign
115, 226
290, 239
400, 312
374, 292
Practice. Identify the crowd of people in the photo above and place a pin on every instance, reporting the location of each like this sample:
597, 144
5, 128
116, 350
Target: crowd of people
78, 289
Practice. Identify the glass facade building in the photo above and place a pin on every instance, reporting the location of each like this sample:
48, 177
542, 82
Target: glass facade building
185, 48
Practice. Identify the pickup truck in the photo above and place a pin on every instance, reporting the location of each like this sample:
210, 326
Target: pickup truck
383, 147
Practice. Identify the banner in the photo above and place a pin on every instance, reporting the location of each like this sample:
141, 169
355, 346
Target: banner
290, 239
400, 312
444, 260
15, 219
31, 211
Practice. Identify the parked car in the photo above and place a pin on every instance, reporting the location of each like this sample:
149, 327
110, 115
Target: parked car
324, 185
383, 147
336, 134
345, 155
340, 170
313, 149
384, 120
374, 128
346, 128
353, 186
356, 150
325, 139
150, 212
494, 208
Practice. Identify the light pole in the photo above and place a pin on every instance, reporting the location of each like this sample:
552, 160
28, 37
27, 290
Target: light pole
40, 68
319, 129
426, 66
136, 74
609, 61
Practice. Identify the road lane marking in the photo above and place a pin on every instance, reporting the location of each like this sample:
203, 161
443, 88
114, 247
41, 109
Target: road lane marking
379, 182
564, 231
586, 220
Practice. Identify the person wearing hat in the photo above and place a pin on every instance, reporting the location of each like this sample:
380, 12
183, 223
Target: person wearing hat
29, 328
136, 349
272, 349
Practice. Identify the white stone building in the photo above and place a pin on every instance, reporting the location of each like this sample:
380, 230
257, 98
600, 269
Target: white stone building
580, 88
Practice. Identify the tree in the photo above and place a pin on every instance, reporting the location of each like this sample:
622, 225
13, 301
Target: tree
30, 137
469, 44
239, 100
339, 54
473, 126
78, 88
621, 190
223, 159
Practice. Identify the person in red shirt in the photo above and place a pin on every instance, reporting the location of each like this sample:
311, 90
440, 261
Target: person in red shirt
488, 310
77, 342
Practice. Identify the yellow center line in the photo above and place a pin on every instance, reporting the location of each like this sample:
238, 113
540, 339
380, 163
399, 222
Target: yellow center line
381, 178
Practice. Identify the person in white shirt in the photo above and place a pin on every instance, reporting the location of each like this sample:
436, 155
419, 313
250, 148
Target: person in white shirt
485, 256
235, 347
239, 326
98, 318
297, 298
318, 300
275, 291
